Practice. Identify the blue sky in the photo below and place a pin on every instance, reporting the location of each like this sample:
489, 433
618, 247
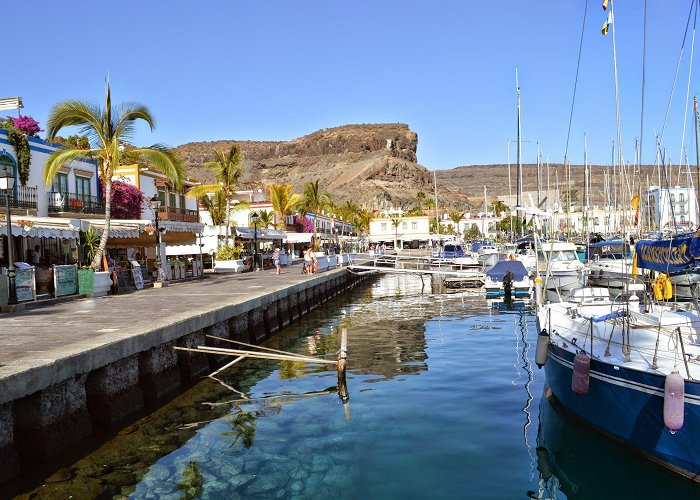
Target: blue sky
276, 70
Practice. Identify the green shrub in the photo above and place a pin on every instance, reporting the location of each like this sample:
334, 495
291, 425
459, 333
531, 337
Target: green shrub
228, 252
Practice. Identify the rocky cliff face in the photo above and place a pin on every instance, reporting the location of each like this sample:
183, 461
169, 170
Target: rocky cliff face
373, 165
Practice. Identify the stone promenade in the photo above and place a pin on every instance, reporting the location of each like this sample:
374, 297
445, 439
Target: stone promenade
69, 367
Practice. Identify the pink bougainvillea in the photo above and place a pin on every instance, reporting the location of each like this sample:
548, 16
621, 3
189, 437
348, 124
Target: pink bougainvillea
303, 224
127, 200
27, 125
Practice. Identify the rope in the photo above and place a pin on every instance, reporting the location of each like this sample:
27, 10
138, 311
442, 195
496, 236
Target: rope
675, 78
687, 93
578, 65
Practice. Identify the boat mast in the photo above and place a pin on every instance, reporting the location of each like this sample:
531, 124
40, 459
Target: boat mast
539, 190
520, 158
697, 159
437, 214
586, 194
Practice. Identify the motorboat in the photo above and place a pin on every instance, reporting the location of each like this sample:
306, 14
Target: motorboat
609, 264
508, 277
559, 266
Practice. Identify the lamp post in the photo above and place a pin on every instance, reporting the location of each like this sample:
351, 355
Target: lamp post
7, 183
155, 205
254, 217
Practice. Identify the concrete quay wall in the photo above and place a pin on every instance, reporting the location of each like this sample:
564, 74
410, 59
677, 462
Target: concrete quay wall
49, 405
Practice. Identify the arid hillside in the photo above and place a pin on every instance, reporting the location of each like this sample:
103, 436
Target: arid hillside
372, 165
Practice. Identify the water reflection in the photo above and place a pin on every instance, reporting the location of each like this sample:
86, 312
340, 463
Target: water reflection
576, 462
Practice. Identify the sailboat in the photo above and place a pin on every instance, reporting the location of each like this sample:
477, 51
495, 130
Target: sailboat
629, 365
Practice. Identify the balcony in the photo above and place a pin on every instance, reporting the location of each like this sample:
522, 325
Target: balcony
75, 203
177, 214
21, 197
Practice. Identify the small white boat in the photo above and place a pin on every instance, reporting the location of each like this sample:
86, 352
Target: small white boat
559, 266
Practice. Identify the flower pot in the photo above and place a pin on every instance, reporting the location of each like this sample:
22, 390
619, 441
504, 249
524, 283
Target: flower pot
230, 266
101, 283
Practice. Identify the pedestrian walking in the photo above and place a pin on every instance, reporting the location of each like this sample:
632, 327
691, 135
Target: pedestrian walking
276, 260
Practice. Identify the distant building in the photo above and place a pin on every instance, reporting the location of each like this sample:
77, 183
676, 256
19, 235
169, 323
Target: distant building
674, 208
408, 231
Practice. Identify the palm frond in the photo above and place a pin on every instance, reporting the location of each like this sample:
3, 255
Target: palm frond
56, 160
76, 113
164, 160
128, 113
203, 190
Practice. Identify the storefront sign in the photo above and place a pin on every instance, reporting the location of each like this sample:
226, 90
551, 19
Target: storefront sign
138, 277
25, 285
65, 280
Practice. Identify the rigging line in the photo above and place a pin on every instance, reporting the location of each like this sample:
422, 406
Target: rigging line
573, 99
687, 93
617, 92
678, 65
641, 118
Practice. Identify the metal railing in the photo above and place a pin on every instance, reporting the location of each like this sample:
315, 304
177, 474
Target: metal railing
20, 197
177, 214
75, 203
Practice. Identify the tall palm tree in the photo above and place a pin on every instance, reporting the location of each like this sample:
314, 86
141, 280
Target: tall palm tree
217, 207
396, 222
283, 202
228, 170
360, 221
108, 130
315, 200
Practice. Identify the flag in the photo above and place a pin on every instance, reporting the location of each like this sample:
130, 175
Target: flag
605, 4
607, 24
635, 204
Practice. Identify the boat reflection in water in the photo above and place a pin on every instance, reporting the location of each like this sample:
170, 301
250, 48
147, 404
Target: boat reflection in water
576, 462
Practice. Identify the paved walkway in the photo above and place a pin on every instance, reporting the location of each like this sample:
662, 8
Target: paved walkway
42, 336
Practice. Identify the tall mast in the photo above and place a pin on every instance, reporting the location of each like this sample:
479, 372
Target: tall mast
520, 154
539, 188
697, 159
437, 214
586, 193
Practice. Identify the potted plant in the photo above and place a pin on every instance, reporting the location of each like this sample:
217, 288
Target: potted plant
228, 259
90, 281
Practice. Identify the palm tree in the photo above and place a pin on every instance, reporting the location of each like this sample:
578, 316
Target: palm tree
283, 203
396, 223
267, 218
420, 196
456, 217
228, 171
217, 207
108, 131
315, 200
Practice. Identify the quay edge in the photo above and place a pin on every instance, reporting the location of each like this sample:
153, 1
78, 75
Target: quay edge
48, 405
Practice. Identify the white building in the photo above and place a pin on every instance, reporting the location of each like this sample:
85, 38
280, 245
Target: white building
408, 231
672, 208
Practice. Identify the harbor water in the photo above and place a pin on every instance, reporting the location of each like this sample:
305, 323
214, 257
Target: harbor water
445, 401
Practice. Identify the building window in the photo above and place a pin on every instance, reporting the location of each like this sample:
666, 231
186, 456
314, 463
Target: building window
383, 226
404, 226
60, 183
681, 197
673, 198
414, 225
82, 188
161, 197
182, 200
172, 200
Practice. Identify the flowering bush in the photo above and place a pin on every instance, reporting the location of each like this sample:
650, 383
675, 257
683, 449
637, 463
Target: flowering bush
127, 200
303, 225
27, 125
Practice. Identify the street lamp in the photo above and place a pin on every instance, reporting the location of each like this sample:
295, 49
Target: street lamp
254, 217
155, 205
7, 184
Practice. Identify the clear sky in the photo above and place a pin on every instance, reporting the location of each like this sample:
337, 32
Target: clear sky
277, 70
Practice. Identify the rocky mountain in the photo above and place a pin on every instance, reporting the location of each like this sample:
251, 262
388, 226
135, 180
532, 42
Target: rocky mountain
374, 165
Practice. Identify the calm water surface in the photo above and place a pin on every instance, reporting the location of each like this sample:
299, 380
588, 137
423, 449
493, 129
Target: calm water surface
445, 402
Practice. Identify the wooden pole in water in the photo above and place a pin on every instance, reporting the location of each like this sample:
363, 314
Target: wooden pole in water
342, 363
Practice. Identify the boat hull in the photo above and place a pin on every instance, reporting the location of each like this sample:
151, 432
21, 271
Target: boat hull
627, 405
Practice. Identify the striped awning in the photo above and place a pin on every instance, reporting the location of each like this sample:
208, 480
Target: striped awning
36, 230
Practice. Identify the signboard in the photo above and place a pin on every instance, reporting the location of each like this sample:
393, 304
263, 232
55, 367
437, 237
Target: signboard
138, 277
4, 290
145, 276
25, 285
168, 271
86, 280
65, 280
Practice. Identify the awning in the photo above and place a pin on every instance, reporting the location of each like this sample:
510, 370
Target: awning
249, 233
37, 230
299, 237
116, 230
181, 227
